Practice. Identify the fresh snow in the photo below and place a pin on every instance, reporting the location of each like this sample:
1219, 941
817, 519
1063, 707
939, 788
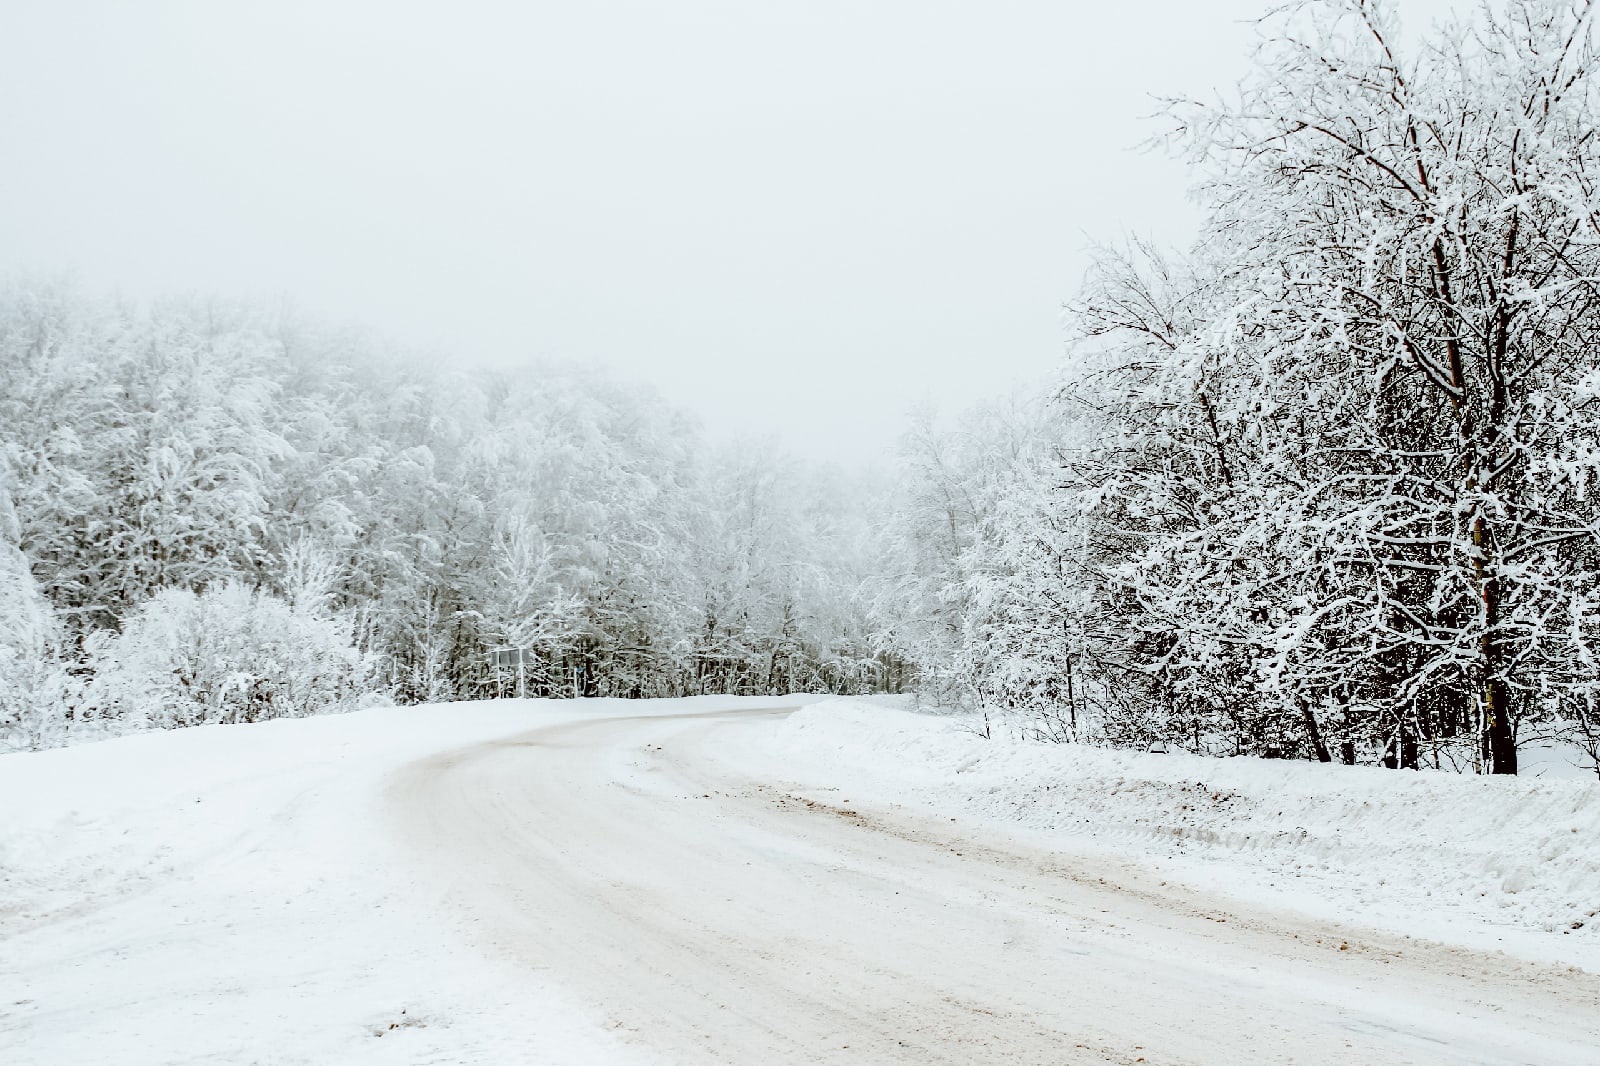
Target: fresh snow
233, 894
1482, 862
291, 892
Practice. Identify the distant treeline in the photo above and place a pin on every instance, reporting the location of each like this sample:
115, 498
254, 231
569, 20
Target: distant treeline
1326, 486
208, 514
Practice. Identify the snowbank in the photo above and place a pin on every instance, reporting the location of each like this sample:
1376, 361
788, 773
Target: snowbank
1486, 862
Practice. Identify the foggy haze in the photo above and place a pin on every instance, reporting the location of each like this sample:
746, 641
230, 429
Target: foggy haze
796, 219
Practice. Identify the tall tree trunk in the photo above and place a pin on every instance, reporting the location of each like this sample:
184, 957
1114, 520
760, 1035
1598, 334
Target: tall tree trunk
1499, 743
1314, 733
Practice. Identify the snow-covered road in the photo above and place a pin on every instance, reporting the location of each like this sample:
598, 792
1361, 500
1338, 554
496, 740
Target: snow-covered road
634, 883
710, 917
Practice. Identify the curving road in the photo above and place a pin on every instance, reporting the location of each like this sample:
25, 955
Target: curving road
715, 919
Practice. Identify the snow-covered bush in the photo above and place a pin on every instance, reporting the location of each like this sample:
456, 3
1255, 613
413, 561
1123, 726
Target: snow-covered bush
33, 680
227, 654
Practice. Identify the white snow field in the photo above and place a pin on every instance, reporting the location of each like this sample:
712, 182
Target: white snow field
241, 894
730, 881
1496, 863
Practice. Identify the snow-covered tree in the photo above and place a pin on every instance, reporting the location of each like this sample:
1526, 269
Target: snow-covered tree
224, 655
175, 462
1414, 258
1330, 482
33, 679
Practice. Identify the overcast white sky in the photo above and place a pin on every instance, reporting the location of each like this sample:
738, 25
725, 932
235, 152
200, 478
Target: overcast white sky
796, 217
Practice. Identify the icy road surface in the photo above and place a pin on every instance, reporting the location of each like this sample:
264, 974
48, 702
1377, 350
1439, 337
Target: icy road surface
705, 917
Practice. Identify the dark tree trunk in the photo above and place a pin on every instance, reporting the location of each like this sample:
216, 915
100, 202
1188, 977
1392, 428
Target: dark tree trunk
1314, 734
1499, 743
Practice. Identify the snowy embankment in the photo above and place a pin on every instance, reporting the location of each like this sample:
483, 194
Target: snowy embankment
233, 894
1508, 863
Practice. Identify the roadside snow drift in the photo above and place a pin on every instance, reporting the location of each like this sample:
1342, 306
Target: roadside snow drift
1482, 862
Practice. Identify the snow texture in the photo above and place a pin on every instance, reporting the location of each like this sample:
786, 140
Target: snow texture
1507, 863
241, 894
232, 894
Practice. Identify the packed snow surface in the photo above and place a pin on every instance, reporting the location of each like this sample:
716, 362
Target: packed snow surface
734, 881
1486, 862
234, 894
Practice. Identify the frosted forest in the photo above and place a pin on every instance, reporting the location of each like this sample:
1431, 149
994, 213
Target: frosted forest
630, 534
1320, 486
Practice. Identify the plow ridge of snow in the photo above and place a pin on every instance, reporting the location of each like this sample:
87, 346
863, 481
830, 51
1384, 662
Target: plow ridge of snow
1487, 862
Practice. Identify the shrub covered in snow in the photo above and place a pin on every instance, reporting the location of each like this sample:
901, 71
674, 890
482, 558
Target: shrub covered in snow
227, 654
33, 680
